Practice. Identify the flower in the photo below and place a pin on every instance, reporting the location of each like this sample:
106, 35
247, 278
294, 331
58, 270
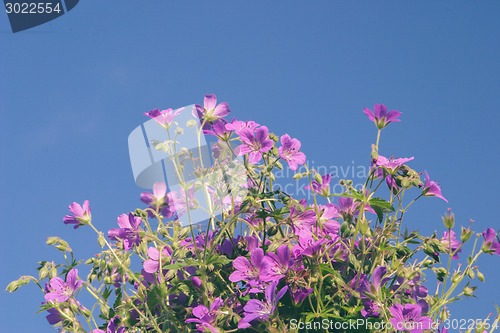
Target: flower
408, 318
205, 317
254, 144
431, 189
327, 213
302, 222
290, 152
322, 188
128, 231
490, 244
153, 265
391, 165
158, 200
349, 208
180, 203
111, 327
450, 242
370, 309
277, 264
237, 125
256, 309
54, 316
210, 110
165, 117
300, 294
219, 130
380, 116
249, 271
60, 290
81, 215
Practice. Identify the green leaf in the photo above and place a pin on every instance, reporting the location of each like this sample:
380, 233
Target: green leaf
380, 203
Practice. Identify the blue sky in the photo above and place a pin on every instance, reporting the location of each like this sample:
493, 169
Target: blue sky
73, 89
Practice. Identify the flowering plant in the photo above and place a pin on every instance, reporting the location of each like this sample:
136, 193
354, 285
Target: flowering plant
263, 260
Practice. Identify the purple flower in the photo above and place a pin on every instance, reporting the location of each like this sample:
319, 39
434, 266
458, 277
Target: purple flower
117, 277
277, 264
300, 294
111, 327
81, 215
128, 231
210, 110
158, 200
391, 184
391, 165
61, 291
237, 126
307, 247
165, 117
408, 318
349, 208
380, 116
289, 151
302, 222
205, 317
327, 213
450, 240
153, 265
54, 316
256, 309
254, 144
180, 203
322, 188
370, 309
431, 189
249, 271
490, 244
219, 130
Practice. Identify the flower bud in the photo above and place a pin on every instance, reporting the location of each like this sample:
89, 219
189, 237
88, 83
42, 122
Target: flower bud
44, 272
273, 137
53, 272
52, 240
466, 234
297, 176
101, 240
471, 274
449, 219
469, 291
13, 286
191, 123
363, 226
105, 311
480, 276
179, 131
317, 177
272, 231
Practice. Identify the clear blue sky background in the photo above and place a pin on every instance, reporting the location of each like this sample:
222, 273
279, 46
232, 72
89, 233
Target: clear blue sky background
73, 89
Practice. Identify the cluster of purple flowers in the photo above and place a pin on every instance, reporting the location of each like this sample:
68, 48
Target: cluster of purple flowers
293, 257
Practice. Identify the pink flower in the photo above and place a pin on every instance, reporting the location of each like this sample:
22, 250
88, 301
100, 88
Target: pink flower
290, 152
165, 117
391, 165
61, 291
81, 215
210, 110
431, 189
254, 144
380, 116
